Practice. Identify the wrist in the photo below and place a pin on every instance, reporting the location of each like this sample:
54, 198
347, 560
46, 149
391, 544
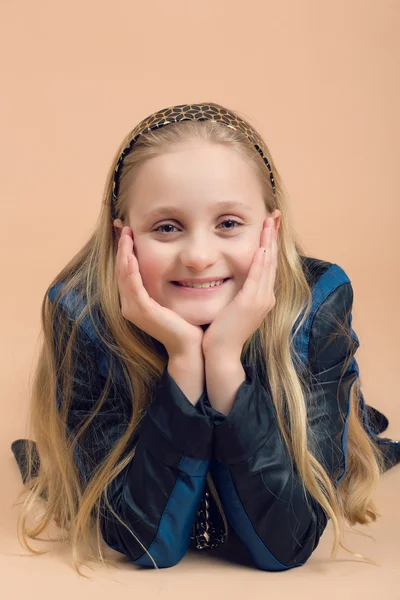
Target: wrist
223, 379
229, 358
188, 373
192, 355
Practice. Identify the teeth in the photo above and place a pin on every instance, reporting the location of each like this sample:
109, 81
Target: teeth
203, 285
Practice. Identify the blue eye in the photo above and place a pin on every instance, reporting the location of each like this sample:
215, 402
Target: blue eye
226, 221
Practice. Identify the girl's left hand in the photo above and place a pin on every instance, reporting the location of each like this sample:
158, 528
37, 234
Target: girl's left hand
235, 323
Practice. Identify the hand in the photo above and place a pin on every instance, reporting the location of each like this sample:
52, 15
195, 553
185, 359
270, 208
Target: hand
235, 323
139, 308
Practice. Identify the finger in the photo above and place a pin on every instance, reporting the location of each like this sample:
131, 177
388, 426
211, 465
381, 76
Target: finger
265, 245
252, 283
125, 250
274, 263
133, 278
126, 261
121, 259
255, 277
263, 232
265, 274
118, 259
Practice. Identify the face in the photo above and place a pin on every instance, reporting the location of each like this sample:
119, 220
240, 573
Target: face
192, 236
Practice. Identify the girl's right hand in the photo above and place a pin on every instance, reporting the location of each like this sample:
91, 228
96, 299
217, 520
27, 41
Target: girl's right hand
177, 335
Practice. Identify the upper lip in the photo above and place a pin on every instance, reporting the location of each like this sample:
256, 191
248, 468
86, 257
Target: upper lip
201, 280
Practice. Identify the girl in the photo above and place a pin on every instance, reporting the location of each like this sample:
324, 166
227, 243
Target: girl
169, 412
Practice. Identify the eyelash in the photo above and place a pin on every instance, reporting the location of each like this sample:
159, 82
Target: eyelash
226, 221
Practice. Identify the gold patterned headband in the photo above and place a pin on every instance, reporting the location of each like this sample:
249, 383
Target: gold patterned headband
182, 112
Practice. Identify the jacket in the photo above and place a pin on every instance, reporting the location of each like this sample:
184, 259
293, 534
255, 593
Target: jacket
161, 493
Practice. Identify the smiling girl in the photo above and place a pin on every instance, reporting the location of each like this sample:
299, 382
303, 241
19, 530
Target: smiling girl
197, 376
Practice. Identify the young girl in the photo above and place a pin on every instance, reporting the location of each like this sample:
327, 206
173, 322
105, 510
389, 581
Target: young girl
167, 414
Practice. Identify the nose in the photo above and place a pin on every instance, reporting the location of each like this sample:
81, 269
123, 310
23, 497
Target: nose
200, 256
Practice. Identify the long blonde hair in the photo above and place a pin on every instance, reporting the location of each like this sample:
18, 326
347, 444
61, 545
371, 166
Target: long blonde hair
74, 506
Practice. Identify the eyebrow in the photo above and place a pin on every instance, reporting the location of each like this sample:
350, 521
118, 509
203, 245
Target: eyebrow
219, 205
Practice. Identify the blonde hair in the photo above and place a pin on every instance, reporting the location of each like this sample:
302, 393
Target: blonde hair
74, 506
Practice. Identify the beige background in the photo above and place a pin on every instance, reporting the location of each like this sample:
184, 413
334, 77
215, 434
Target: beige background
320, 80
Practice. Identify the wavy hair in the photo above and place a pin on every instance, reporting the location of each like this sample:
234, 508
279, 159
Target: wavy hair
75, 507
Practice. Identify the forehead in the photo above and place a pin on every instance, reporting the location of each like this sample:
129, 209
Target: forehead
206, 175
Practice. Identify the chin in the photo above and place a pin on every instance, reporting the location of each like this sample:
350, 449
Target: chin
198, 322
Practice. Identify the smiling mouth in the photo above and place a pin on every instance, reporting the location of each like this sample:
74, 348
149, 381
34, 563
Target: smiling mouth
176, 283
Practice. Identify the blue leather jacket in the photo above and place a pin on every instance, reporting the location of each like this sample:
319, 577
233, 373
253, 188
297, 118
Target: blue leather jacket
161, 493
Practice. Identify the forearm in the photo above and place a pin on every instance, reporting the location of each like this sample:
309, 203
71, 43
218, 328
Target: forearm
171, 462
223, 380
187, 370
256, 479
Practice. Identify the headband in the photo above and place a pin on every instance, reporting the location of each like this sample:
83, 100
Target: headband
183, 112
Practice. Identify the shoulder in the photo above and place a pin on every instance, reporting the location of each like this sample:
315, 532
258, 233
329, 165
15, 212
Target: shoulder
326, 278
91, 328
73, 302
313, 268
332, 303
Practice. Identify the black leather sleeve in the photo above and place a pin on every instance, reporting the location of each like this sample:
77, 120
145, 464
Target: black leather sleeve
157, 495
257, 482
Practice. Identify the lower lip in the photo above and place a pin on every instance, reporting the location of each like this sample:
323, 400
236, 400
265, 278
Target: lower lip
192, 290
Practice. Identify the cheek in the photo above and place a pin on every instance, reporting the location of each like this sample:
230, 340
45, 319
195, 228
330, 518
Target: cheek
243, 265
151, 268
